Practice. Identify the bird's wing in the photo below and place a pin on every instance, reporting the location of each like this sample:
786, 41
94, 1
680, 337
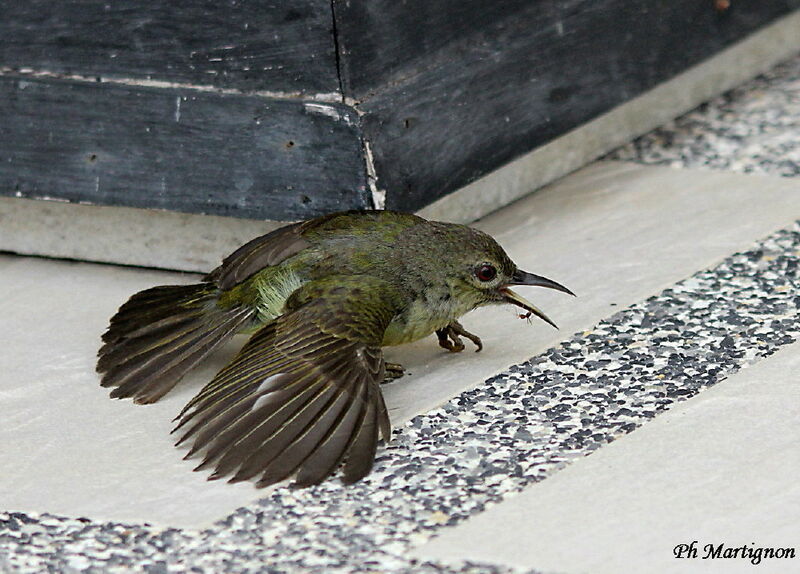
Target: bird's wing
263, 251
303, 395
277, 246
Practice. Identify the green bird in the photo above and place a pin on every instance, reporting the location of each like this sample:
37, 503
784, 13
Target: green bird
320, 298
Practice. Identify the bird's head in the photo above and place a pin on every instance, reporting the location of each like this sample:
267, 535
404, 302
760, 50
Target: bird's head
480, 271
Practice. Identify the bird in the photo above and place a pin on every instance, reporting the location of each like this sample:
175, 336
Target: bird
320, 298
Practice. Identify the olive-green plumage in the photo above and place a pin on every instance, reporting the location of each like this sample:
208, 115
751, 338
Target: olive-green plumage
320, 298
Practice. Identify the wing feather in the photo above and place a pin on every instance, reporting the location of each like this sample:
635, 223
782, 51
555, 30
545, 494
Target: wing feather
300, 398
244, 437
333, 448
295, 439
264, 251
364, 444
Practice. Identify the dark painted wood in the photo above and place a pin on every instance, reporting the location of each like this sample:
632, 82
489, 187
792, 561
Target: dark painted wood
382, 42
454, 89
246, 44
446, 91
179, 150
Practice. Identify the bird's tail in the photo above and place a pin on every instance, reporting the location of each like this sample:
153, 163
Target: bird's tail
160, 334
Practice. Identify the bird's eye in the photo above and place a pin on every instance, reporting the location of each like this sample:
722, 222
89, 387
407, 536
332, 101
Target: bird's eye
485, 272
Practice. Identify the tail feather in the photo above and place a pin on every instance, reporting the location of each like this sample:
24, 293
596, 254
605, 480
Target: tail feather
159, 335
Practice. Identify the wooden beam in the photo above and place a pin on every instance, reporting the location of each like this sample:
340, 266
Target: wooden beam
245, 44
182, 150
451, 90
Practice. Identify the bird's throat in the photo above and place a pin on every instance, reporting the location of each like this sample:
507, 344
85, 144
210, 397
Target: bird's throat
425, 315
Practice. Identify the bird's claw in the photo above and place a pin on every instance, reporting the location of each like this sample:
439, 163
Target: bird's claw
449, 338
392, 371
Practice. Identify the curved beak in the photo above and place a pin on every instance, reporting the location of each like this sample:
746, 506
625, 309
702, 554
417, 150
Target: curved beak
521, 277
524, 278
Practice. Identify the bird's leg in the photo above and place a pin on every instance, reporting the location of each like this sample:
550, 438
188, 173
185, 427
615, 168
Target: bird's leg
459, 329
456, 346
392, 371
450, 340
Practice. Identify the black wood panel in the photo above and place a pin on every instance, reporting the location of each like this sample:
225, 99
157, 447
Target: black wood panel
385, 41
472, 86
180, 150
247, 44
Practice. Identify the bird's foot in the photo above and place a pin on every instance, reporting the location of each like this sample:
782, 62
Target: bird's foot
393, 371
449, 338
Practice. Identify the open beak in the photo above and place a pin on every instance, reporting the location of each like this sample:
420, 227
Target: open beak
524, 278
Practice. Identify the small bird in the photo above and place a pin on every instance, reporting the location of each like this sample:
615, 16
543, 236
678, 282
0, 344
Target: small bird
320, 299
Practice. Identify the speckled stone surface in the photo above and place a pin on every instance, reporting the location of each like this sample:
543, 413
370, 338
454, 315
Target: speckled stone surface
751, 129
481, 447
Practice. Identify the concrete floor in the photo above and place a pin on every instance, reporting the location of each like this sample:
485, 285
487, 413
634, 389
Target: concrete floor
487, 473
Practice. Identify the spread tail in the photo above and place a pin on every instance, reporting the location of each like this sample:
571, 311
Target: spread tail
160, 334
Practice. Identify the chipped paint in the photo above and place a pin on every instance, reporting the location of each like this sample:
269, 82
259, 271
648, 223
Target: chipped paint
378, 195
324, 110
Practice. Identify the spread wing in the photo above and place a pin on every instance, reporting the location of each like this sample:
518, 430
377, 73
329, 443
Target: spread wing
303, 394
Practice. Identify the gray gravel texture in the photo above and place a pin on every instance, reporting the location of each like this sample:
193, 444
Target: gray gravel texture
482, 446
754, 128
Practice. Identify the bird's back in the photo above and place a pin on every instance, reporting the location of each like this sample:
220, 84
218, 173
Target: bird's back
263, 273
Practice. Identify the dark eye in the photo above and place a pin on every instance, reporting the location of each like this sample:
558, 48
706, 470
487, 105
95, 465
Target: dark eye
485, 272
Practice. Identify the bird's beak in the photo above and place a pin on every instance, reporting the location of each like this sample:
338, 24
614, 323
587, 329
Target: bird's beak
524, 278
